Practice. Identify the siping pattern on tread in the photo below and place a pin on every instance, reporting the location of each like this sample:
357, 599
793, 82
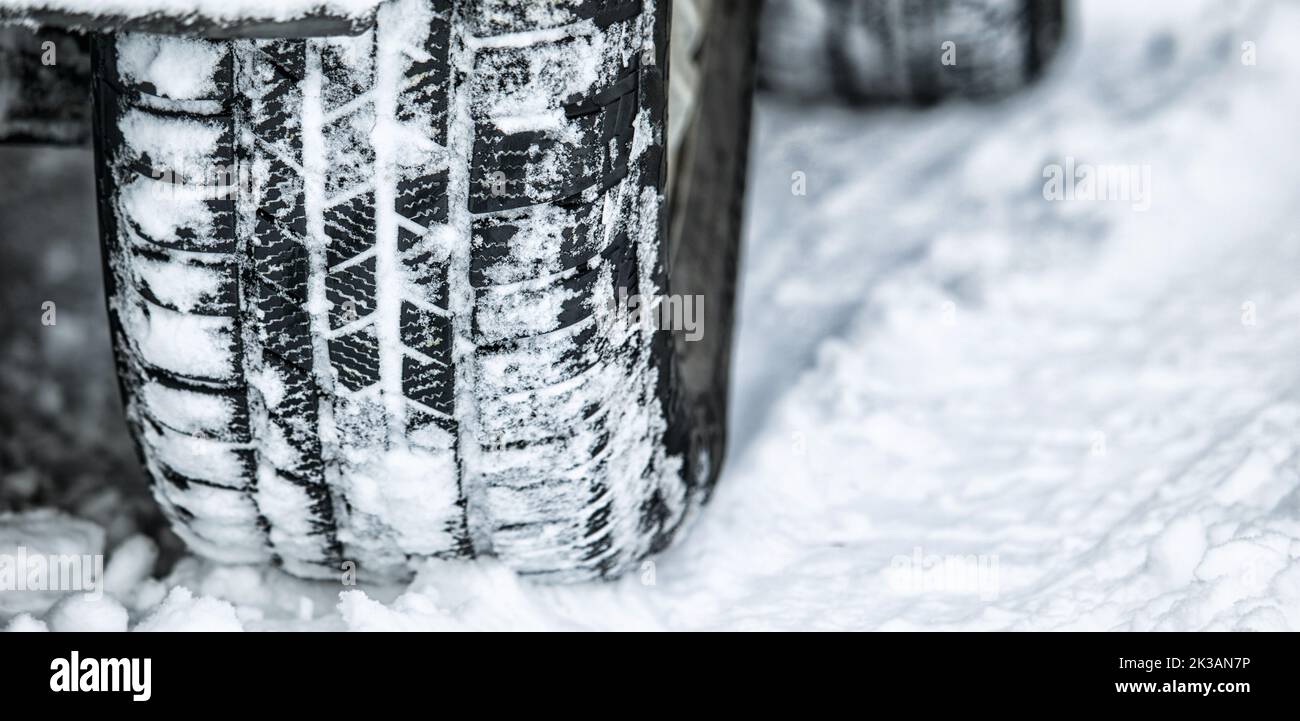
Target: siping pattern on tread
363, 288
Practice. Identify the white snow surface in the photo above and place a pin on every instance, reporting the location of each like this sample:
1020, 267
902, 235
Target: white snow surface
958, 405
221, 10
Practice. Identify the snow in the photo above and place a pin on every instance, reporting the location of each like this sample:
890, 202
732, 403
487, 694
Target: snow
195, 457
222, 10
958, 404
178, 69
44, 553
26, 623
184, 286
181, 611
181, 148
404, 489
190, 344
132, 564
162, 209
87, 613
186, 411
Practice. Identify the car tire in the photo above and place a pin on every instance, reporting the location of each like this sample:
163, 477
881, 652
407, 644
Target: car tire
369, 293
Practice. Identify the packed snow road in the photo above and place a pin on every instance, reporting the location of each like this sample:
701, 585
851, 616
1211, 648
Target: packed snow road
1027, 366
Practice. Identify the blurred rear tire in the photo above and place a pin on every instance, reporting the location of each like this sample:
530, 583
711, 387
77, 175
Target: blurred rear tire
923, 51
44, 86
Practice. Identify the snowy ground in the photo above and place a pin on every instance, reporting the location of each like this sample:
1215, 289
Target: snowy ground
958, 405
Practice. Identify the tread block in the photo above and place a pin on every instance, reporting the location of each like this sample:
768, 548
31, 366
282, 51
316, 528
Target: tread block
194, 410
303, 535
497, 17
186, 285
213, 462
362, 422
180, 150
279, 66
537, 363
578, 452
349, 226
408, 240
423, 199
280, 197
196, 347
280, 126
430, 384
431, 431
176, 217
424, 95
355, 358
145, 64
556, 410
351, 156
284, 326
513, 312
293, 410
351, 292
279, 261
516, 165
163, 474
430, 275
427, 333
287, 58
522, 169
544, 241
348, 66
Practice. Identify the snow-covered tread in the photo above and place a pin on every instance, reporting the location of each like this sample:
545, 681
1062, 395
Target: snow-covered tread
911, 50
393, 338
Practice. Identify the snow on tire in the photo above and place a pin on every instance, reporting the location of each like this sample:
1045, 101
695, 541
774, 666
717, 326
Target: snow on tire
363, 288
